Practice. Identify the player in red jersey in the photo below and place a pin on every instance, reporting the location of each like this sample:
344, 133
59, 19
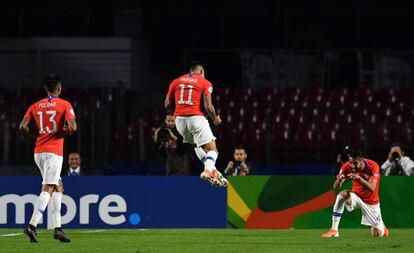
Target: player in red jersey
54, 117
185, 97
365, 177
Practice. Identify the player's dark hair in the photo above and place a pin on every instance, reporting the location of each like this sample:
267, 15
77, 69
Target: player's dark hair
52, 81
240, 147
355, 153
194, 65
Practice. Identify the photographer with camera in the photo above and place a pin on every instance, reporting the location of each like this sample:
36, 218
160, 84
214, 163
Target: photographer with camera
397, 162
176, 154
238, 166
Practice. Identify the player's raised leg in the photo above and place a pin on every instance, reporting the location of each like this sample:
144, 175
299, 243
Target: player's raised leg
341, 199
208, 154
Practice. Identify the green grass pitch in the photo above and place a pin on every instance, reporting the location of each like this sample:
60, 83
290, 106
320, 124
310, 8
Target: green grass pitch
208, 240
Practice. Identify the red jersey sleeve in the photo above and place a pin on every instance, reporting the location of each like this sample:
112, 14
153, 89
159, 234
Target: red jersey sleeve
375, 171
345, 169
208, 87
29, 114
171, 89
69, 112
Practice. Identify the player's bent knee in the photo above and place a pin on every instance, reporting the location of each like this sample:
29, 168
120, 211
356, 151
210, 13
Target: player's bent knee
345, 194
59, 187
48, 188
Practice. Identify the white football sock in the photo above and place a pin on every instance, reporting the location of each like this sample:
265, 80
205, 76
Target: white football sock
338, 209
200, 153
39, 208
56, 206
210, 160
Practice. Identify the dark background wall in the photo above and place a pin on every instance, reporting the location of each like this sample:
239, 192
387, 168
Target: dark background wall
277, 44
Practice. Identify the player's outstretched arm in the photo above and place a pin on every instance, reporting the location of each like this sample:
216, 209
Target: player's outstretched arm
70, 127
211, 111
169, 104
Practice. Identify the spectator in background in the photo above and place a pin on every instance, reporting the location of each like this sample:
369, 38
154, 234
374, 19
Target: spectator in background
341, 158
238, 166
176, 154
74, 161
397, 162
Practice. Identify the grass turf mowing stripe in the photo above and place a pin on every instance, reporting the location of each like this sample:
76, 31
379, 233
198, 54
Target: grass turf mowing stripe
210, 240
15, 234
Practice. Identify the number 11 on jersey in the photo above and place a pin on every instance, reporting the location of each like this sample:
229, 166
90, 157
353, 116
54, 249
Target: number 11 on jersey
189, 95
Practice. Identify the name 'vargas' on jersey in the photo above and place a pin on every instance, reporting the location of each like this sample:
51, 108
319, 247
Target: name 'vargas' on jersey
187, 92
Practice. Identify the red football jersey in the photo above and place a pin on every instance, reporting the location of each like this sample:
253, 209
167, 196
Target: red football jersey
371, 170
187, 92
50, 114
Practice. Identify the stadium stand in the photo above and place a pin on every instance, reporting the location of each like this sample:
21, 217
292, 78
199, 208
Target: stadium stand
313, 122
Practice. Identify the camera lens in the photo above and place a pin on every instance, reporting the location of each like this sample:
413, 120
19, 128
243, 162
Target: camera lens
395, 156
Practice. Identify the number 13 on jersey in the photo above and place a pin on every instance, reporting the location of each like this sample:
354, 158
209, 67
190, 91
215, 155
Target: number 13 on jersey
51, 119
183, 88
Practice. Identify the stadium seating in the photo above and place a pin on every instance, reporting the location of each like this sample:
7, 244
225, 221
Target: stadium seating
329, 137
402, 133
315, 97
289, 119
363, 96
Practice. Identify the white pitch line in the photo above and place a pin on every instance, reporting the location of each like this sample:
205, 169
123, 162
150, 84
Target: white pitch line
8, 235
94, 231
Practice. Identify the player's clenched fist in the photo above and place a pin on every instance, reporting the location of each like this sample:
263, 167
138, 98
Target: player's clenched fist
353, 176
340, 176
217, 120
68, 128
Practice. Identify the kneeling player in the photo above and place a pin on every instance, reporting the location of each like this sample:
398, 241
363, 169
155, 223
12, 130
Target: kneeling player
365, 177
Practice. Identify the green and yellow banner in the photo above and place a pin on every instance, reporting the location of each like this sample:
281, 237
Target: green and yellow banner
284, 202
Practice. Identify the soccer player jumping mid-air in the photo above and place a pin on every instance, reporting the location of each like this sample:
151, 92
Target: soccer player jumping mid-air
185, 95
54, 118
365, 177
